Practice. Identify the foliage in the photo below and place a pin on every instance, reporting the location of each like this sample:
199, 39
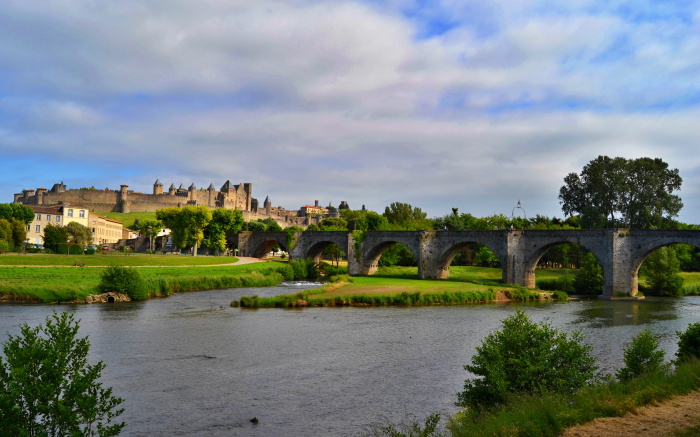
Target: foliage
610, 192
187, 224
256, 226
149, 228
589, 279
407, 217
48, 388
642, 356
549, 415
13, 232
17, 211
291, 232
397, 255
429, 429
334, 252
333, 224
123, 280
54, 236
689, 343
223, 222
526, 358
304, 269
364, 220
661, 269
79, 234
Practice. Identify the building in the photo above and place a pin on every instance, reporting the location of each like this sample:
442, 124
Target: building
56, 215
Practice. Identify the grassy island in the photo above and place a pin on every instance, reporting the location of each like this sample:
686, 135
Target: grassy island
400, 286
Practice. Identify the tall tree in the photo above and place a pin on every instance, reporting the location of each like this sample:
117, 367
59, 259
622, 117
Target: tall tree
187, 224
613, 192
78, 233
54, 236
150, 228
17, 211
223, 222
407, 217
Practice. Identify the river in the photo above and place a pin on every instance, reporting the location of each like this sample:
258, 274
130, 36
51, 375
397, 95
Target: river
191, 365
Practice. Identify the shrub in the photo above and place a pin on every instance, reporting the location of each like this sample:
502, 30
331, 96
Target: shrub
642, 356
312, 269
287, 272
689, 343
589, 279
526, 358
47, 386
299, 267
123, 280
89, 251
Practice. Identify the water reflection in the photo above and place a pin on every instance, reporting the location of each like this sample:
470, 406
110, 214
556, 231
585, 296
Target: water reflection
601, 313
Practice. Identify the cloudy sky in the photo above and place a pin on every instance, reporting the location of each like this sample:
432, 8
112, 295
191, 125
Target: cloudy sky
447, 103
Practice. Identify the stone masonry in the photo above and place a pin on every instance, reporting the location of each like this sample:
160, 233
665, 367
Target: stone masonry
620, 252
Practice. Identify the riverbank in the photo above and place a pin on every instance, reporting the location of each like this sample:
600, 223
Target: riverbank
44, 283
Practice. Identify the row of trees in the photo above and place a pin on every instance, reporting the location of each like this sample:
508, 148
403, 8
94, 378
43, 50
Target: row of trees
14, 219
192, 226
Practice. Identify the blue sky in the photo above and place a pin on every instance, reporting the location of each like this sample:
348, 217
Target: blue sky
440, 104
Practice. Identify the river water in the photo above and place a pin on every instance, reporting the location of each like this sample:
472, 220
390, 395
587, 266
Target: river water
191, 365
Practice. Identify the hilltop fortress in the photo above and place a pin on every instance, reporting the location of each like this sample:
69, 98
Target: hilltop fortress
229, 196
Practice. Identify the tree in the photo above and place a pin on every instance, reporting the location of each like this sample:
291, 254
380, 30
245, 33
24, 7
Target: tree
17, 211
589, 279
149, 228
333, 224
223, 222
407, 217
48, 388
689, 343
526, 358
334, 252
78, 234
54, 236
642, 356
612, 192
186, 224
661, 269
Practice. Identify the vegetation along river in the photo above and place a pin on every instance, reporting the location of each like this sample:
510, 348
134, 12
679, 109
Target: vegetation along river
191, 365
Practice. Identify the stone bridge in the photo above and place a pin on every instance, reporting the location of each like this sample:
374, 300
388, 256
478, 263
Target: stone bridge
620, 252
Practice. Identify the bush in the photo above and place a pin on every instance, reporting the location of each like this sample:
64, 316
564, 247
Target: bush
47, 386
89, 251
299, 267
287, 272
689, 343
642, 356
589, 279
526, 358
123, 280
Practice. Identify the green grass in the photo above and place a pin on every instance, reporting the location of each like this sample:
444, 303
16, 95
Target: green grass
128, 218
60, 284
400, 286
110, 259
550, 415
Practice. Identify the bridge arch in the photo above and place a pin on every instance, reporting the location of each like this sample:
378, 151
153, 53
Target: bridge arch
376, 243
259, 244
444, 261
311, 244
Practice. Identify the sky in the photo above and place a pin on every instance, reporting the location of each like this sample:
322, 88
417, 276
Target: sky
441, 104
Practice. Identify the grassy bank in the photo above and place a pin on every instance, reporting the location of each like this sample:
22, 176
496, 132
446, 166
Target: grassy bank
550, 415
63, 284
110, 259
400, 286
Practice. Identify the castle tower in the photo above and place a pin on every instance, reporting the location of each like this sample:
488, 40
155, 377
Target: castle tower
172, 190
157, 187
211, 196
268, 206
40, 195
248, 189
192, 192
123, 199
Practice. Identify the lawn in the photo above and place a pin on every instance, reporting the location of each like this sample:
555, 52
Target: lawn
111, 259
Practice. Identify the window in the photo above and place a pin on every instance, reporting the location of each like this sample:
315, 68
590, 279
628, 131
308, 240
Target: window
38, 216
48, 217
38, 228
82, 214
70, 213
29, 227
58, 218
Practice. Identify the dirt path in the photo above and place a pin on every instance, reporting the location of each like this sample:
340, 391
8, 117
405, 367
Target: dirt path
677, 413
